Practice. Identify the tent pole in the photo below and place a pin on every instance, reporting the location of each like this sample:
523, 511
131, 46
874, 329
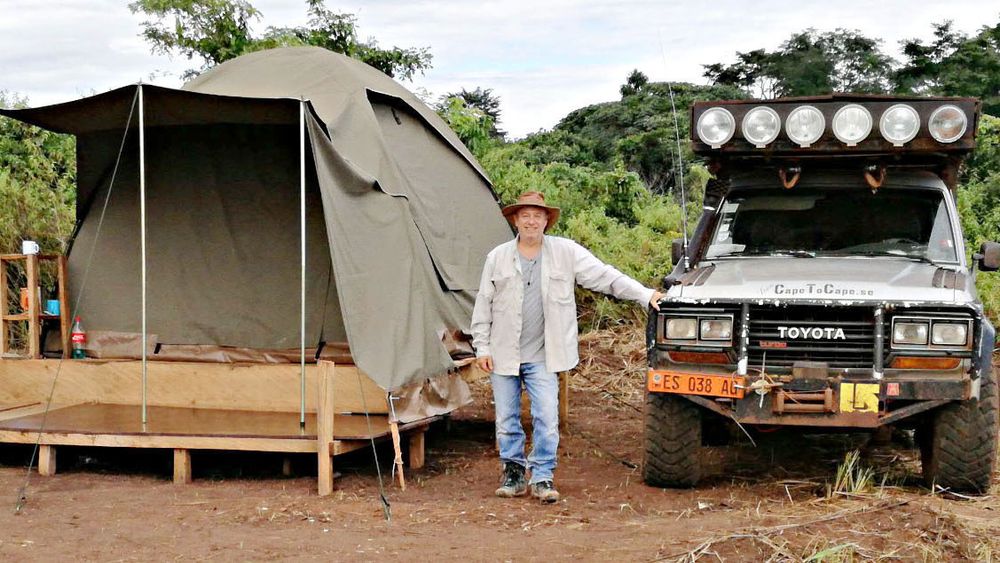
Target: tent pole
302, 249
142, 228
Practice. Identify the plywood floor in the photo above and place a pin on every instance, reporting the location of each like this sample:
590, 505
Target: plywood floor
126, 420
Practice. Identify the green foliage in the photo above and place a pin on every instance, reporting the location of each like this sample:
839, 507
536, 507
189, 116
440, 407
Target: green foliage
639, 132
482, 99
218, 30
979, 206
807, 64
954, 64
37, 184
472, 125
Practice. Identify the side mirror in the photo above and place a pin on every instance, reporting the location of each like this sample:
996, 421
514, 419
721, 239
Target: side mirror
676, 251
989, 257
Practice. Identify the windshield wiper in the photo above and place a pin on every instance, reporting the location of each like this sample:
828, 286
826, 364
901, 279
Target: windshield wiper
776, 252
895, 254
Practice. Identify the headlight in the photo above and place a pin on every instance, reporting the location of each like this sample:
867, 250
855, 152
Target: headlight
852, 124
716, 126
899, 124
716, 329
761, 126
805, 125
681, 329
950, 334
947, 124
909, 333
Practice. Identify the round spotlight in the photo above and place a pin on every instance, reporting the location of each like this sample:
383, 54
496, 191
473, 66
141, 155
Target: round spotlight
852, 124
805, 125
716, 126
947, 124
761, 126
899, 124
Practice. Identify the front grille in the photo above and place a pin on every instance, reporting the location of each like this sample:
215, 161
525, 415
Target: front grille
856, 350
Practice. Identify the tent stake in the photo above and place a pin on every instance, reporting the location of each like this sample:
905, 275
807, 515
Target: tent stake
302, 297
142, 221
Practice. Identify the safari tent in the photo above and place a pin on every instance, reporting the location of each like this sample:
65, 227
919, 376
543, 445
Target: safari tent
292, 235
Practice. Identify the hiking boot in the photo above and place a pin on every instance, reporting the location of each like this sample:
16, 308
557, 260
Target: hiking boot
512, 481
545, 492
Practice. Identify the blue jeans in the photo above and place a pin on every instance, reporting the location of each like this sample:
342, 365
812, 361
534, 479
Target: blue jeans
543, 391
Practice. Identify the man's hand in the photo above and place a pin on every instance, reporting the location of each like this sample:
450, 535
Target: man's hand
654, 301
485, 363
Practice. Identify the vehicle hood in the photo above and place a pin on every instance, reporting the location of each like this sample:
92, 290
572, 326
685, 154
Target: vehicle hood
841, 279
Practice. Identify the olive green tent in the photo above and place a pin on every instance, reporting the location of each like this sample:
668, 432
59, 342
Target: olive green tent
204, 192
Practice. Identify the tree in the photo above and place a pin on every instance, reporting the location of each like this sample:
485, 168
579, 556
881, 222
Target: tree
37, 181
954, 64
634, 83
471, 124
218, 30
807, 64
482, 99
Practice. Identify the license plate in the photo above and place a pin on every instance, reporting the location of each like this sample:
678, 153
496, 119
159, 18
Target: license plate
695, 384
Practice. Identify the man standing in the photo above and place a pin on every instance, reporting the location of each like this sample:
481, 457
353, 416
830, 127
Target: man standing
524, 331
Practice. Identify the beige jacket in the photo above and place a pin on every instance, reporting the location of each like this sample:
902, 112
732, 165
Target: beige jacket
496, 318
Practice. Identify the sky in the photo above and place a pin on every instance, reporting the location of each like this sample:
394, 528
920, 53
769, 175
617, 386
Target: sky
543, 58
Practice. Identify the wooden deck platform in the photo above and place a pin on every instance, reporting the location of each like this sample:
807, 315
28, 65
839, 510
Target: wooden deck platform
329, 431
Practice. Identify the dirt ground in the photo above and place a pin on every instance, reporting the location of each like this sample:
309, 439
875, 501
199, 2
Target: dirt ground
772, 501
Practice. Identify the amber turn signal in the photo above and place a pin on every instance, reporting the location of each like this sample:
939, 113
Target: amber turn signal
700, 357
915, 362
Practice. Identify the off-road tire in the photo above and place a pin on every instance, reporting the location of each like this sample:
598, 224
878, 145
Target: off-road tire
672, 441
959, 442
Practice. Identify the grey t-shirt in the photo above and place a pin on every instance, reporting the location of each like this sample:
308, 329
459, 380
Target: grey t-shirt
532, 317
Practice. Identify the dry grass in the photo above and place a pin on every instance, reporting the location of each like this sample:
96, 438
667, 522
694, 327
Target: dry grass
613, 361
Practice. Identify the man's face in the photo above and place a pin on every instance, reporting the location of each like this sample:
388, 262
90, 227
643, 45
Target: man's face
531, 221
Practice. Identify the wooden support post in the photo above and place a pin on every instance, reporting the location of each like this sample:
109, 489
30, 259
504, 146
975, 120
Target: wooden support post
563, 401
286, 467
324, 427
64, 313
3, 307
47, 460
398, 449
182, 466
34, 323
416, 440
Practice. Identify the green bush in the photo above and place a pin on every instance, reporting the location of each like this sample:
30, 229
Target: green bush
37, 184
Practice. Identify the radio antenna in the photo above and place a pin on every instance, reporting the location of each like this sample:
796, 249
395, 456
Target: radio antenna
679, 161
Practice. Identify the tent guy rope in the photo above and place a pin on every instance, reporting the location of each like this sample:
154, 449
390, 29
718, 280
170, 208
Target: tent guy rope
22, 493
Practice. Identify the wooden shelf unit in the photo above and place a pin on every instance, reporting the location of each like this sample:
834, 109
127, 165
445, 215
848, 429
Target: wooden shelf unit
34, 315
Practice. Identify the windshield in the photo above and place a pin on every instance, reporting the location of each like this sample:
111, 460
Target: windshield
909, 223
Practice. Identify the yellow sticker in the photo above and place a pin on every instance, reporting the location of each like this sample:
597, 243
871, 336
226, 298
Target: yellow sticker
859, 397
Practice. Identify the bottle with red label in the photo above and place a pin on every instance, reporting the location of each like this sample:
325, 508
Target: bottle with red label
78, 337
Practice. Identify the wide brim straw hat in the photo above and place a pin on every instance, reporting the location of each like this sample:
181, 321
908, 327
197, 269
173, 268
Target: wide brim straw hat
532, 199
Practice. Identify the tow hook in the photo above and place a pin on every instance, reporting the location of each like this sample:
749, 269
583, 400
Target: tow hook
762, 386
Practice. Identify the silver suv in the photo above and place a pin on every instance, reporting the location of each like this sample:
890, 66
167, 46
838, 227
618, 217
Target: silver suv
827, 285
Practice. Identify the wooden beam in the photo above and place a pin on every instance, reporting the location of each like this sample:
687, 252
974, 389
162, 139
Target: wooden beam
563, 401
160, 442
3, 307
34, 325
46, 460
182, 466
251, 387
398, 449
416, 440
65, 315
324, 427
